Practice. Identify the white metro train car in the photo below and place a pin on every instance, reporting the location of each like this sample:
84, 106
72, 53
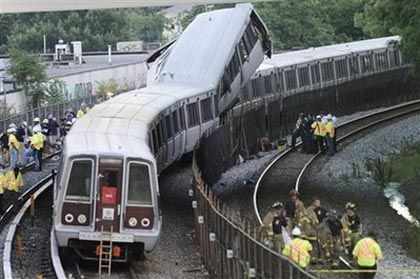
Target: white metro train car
108, 177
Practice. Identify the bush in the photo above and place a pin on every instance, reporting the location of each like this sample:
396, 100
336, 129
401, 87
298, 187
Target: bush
412, 241
382, 171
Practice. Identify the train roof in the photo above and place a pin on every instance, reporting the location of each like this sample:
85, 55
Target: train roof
205, 47
120, 125
323, 52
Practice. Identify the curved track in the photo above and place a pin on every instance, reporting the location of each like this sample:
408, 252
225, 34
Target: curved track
286, 171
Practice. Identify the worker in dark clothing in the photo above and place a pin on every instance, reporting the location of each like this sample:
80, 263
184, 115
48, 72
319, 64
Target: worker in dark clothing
298, 131
337, 237
293, 208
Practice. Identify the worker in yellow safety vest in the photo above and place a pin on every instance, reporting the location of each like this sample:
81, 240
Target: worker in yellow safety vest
37, 143
82, 111
318, 130
330, 135
366, 253
299, 249
14, 180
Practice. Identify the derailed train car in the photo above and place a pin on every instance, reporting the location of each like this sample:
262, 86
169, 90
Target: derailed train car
108, 177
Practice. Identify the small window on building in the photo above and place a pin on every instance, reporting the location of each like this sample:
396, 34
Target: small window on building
139, 187
193, 116
80, 181
206, 112
175, 122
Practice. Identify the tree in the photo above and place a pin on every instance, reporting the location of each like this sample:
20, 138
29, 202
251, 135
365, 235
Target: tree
390, 17
28, 71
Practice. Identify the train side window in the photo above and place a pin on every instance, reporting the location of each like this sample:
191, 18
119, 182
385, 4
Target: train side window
182, 118
168, 126
251, 36
341, 68
155, 140
381, 61
281, 82
80, 181
139, 192
216, 105
243, 51
291, 82
193, 116
206, 112
175, 122
327, 71
159, 134
366, 63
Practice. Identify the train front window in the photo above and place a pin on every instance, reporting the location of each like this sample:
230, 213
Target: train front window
80, 181
139, 192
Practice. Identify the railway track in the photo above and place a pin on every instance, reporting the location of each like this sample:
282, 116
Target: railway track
289, 169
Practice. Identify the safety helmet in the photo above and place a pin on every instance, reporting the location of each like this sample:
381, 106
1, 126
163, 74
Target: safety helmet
11, 130
296, 231
74, 120
332, 212
294, 193
12, 125
318, 116
350, 206
329, 116
45, 121
83, 105
36, 119
24, 123
277, 205
68, 123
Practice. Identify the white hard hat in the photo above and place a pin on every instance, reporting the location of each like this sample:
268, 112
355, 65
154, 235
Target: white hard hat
318, 116
45, 121
24, 123
73, 120
36, 119
11, 130
68, 123
296, 231
329, 116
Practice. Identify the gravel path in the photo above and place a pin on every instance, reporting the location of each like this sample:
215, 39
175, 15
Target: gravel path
334, 180
177, 254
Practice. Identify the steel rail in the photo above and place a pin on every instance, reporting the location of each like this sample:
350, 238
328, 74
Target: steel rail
408, 108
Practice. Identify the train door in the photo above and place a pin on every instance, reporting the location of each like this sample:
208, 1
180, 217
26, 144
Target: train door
108, 197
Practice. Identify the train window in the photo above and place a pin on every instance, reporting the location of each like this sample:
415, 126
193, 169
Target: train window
80, 181
341, 68
354, 65
256, 87
268, 85
139, 192
206, 112
233, 68
316, 78
327, 71
193, 117
168, 126
175, 122
281, 82
216, 105
155, 140
381, 61
291, 82
394, 57
366, 63
243, 51
159, 134
303, 76
182, 118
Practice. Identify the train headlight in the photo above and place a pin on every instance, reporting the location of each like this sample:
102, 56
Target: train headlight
81, 218
145, 222
69, 218
132, 222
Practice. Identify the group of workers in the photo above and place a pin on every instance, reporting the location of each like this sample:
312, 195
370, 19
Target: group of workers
317, 134
21, 143
316, 235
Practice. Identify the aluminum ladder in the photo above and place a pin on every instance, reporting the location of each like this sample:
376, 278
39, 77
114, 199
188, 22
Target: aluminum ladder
105, 251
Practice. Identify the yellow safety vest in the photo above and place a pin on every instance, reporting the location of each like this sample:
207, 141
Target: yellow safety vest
13, 142
330, 129
298, 251
367, 252
319, 128
80, 113
13, 183
37, 141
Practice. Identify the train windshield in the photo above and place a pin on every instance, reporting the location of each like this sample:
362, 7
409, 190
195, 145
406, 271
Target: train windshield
80, 181
139, 191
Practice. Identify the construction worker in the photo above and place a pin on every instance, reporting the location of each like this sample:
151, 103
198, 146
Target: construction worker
318, 130
82, 111
37, 143
330, 135
352, 227
335, 237
280, 227
293, 208
36, 125
14, 146
366, 254
299, 249
14, 180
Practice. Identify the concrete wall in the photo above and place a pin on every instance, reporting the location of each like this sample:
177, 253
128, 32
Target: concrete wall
275, 117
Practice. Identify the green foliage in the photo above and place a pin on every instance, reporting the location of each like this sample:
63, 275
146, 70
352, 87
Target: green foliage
53, 91
107, 86
95, 28
309, 22
412, 241
28, 71
383, 172
388, 17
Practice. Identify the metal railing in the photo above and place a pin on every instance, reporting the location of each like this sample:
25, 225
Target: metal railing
232, 249
57, 110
